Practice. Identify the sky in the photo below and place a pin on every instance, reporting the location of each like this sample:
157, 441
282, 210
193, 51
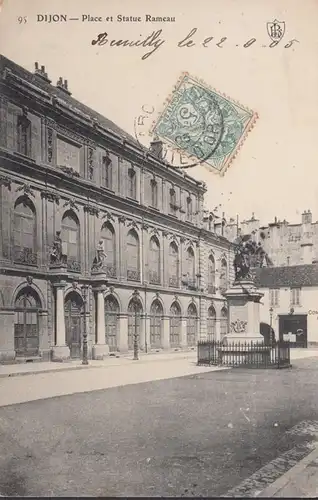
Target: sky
275, 171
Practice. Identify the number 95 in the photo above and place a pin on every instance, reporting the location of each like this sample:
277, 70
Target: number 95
22, 19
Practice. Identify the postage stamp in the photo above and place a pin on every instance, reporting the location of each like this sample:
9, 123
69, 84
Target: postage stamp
203, 123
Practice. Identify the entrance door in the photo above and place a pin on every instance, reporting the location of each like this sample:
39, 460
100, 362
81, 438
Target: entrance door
26, 324
294, 329
73, 323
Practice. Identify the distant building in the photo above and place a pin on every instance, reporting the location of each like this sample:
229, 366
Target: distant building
74, 187
291, 298
287, 244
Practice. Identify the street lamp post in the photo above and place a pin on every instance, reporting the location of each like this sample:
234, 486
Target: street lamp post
85, 350
270, 325
136, 357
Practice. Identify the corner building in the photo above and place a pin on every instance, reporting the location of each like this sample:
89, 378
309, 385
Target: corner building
69, 174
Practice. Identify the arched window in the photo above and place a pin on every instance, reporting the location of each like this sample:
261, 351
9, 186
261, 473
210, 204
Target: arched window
134, 321
24, 232
107, 172
211, 323
154, 193
109, 238
71, 241
223, 276
156, 314
224, 322
192, 330
191, 268
211, 275
175, 325
132, 184
26, 323
173, 265
173, 202
133, 263
111, 322
154, 261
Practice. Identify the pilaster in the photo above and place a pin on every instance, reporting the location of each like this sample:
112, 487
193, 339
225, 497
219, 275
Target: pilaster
166, 332
123, 333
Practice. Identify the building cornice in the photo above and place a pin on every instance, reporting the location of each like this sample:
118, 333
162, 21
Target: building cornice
56, 107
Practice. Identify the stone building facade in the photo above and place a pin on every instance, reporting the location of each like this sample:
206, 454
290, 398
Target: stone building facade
290, 304
287, 244
98, 234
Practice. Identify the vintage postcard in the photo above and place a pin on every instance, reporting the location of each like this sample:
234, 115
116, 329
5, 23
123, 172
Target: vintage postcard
158, 248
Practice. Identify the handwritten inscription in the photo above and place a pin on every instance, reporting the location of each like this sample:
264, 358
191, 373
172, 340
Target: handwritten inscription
155, 40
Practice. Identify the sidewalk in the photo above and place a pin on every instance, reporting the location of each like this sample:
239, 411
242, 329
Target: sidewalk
108, 374
21, 369
301, 481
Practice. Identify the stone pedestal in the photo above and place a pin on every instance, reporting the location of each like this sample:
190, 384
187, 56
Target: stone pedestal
60, 353
244, 318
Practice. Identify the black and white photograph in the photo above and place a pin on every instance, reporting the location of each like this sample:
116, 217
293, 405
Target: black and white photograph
158, 249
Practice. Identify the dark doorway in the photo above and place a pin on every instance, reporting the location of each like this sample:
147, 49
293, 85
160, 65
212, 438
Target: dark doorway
267, 333
293, 327
73, 323
26, 323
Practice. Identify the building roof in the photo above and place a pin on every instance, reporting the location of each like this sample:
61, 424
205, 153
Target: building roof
287, 276
56, 91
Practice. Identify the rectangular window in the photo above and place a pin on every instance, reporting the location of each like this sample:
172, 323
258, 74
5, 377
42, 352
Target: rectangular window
107, 172
274, 297
295, 297
24, 135
154, 193
173, 202
132, 184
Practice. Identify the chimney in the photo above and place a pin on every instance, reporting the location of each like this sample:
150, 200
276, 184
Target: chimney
306, 217
156, 147
41, 72
63, 85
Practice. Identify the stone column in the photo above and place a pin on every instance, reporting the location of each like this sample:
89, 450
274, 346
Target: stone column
123, 333
60, 351
184, 341
218, 326
100, 350
44, 347
166, 332
147, 332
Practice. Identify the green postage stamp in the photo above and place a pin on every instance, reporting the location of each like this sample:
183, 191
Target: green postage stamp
205, 125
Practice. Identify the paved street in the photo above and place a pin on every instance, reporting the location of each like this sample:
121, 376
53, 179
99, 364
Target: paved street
202, 434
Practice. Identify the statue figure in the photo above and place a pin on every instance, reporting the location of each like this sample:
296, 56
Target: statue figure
56, 250
248, 254
99, 260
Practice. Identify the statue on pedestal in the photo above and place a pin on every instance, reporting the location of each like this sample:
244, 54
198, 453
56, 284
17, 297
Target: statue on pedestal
248, 255
99, 260
56, 253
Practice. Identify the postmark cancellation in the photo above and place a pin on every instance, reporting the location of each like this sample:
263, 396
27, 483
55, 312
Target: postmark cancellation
204, 124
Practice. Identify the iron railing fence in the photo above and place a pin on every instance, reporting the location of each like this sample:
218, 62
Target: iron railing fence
244, 354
